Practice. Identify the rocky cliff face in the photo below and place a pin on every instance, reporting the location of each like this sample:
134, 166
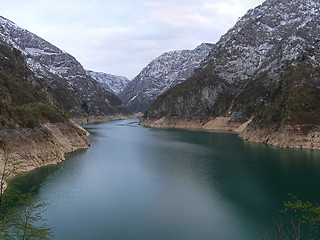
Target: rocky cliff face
61, 74
112, 83
267, 65
164, 72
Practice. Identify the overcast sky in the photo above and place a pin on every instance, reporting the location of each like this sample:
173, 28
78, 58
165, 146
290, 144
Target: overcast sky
122, 36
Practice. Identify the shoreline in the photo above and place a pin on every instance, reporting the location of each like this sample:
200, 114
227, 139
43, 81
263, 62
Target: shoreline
47, 144
43, 145
283, 136
98, 119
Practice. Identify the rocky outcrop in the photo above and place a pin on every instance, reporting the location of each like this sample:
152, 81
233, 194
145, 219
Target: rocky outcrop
44, 145
285, 136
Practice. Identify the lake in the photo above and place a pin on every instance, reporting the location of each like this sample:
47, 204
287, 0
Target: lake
141, 183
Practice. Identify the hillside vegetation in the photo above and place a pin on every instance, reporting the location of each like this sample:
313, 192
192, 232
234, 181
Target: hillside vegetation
23, 101
266, 66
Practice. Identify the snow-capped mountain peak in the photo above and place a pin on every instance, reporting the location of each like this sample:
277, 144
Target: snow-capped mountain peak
112, 83
164, 72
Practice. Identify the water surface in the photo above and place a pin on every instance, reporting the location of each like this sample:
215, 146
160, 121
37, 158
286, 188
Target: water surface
143, 183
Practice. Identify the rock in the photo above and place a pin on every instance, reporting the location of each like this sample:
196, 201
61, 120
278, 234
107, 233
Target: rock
46, 144
283, 136
271, 57
112, 83
164, 72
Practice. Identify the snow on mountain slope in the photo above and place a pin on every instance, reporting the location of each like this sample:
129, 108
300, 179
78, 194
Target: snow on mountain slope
168, 70
61, 73
267, 65
286, 29
112, 83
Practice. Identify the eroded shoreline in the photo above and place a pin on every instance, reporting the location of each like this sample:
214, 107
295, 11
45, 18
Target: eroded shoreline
284, 136
48, 143
44, 145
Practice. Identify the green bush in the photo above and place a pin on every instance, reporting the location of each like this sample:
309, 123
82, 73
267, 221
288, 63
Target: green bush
29, 117
50, 114
25, 116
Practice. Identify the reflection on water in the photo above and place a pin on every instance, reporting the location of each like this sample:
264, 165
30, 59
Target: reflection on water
143, 183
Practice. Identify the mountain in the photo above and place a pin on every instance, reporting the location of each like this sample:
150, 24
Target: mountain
266, 66
23, 100
112, 83
164, 72
33, 130
62, 75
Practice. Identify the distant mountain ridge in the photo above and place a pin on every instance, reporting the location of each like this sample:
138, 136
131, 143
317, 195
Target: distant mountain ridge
167, 70
112, 83
267, 66
61, 74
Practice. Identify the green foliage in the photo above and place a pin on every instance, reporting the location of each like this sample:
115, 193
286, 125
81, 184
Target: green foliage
310, 213
23, 101
51, 114
29, 117
298, 221
13, 78
295, 99
186, 100
20, 214
250, 100
9, 168
25, 221
25, 116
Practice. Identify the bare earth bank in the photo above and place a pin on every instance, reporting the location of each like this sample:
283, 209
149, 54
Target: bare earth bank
44, 145
285, 136
47, 144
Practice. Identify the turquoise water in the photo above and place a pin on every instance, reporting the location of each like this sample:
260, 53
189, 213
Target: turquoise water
143, 183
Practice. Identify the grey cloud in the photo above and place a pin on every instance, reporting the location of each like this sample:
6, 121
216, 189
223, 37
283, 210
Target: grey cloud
121, 37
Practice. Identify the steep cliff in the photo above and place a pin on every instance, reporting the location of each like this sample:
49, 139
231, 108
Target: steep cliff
162, 73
